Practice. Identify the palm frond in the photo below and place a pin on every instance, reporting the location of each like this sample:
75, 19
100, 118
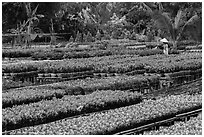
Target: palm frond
191, 21
163, 21
177, 19
161, 8
35, 10
149, 10
28, 9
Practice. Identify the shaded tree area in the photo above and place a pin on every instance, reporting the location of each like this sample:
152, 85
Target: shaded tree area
12, 14
120, 19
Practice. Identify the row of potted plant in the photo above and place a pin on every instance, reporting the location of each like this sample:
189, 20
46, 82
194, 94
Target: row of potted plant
79, 86
118, 119
50, 110
191, 127
111, 64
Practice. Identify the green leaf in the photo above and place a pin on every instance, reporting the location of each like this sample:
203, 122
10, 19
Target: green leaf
177, 19
35, 10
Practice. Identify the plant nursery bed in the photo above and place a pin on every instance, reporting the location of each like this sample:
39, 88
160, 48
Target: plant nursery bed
116, 120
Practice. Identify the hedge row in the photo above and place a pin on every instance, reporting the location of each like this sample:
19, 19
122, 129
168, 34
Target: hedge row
81, 86
111, 64
119, 119
51, 110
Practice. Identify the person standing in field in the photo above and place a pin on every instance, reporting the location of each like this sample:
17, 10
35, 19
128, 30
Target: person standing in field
165, 46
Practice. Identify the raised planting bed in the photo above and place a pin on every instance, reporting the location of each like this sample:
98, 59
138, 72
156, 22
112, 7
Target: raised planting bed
9, 84
112, 64
183, 76
51, 110
187, 88
194, 47
141, 71
16, 53
168, 65
194, 50
65, 53
57, 66
48, 80
22, 75
122, 82
25, 96
115, 120
149, 52
156, 125
74, 87
191, 127
45, 78
66, 75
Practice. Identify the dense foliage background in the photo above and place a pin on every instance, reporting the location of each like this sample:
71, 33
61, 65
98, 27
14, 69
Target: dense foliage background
112, 19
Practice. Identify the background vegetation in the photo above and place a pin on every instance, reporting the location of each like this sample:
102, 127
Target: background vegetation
117, 20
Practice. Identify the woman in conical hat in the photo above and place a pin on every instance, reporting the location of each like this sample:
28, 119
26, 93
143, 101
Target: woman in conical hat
165, 45
164, 40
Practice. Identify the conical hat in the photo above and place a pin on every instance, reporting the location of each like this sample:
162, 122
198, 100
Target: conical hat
164, 40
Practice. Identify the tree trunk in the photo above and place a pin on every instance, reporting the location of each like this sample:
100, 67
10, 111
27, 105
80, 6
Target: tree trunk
28, 39
175, 45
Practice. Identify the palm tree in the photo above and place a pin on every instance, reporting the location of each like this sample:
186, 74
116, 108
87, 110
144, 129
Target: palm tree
175, 27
